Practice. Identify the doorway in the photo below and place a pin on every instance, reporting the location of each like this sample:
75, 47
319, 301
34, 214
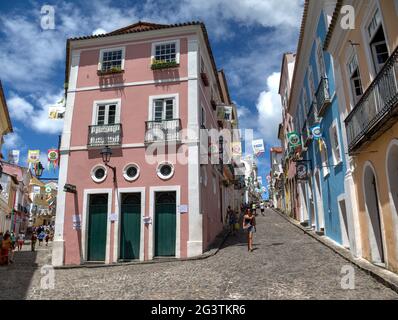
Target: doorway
130, 229
373, 211
97, 225
165, 224
318, 193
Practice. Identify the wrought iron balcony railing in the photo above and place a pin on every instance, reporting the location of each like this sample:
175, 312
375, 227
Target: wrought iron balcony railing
312, 116
162, 130
104, 135
373, 113
322, 96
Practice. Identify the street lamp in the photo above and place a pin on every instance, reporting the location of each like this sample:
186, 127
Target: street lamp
106, 154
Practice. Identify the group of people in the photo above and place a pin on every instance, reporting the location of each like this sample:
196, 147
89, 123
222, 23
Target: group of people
9, 242
248, 219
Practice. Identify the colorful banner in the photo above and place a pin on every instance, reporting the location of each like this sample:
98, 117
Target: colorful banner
13, 156
236, 149
316, 132
302, 170
294, 139
57, 111
53, 158
258, 147
220, 113
33, 156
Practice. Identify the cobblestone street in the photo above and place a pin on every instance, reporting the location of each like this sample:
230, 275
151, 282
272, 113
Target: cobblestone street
287, 264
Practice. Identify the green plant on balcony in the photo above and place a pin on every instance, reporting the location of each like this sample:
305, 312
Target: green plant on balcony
112, 70
162, 64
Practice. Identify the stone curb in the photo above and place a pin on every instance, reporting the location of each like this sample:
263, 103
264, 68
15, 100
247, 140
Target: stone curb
385, 277
212, 252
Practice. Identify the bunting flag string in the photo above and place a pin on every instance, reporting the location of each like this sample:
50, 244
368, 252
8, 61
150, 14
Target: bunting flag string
33, 157
53, 159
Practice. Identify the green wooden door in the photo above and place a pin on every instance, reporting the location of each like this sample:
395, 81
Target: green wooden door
165, 224
98, 211
130, 233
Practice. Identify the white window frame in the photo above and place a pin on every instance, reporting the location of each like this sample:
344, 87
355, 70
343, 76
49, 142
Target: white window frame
373, 7
177, 43
128, 166
98, 103
160, 175
101, 56
336, 154
324, 159
311, 83
354, 97
176, 109
92, 173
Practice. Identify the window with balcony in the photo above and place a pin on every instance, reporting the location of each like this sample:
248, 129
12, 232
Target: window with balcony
378, 44
320, 60
111, 60
163, 124
106, 128
202, 118
355, 79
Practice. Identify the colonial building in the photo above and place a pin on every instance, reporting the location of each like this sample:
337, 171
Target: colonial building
314, 108
5, 121
132, 182
276, 189
366, 68
289, 167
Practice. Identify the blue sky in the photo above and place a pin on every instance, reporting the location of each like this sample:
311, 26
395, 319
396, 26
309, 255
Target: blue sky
248, 38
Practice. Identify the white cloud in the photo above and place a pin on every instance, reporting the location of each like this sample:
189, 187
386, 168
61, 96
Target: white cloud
270, 110
36, 118
12, 141
98, 31
19, 108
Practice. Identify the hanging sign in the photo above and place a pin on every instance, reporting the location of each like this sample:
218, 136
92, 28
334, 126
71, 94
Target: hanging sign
33, 157
258, 147
236, 149
57, 111
13, 156
316, 131
220, 113
302, 170
294, 139
52, 157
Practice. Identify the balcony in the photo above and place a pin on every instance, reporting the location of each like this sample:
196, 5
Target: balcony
377, 110
312, 116
322, 96
104, 135
162, 131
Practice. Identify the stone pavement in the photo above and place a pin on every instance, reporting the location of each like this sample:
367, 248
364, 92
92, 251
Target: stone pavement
287, 264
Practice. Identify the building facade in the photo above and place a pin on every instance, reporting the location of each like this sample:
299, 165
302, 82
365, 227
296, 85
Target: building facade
366, 66
322, 201
144, 91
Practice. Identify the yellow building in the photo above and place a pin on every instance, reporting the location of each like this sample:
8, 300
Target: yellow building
363, 39
5, 121
43, 197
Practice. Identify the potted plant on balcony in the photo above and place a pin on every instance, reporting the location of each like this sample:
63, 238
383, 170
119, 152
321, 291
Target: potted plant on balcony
205, 79
213, 104
162, 64
112, 70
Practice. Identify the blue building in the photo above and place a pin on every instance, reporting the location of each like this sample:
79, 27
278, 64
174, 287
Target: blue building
314, 102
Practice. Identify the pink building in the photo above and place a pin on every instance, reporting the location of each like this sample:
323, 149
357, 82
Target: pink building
133, 90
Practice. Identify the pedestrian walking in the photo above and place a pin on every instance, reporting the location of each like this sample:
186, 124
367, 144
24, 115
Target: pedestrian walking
41, 237
20, 241
5, 249
33, 240
231, 216
254, 208
249, 224
47, 238
262, 209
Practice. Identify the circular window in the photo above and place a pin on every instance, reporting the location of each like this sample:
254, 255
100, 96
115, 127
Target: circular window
98, 173
131, 172
165, 170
